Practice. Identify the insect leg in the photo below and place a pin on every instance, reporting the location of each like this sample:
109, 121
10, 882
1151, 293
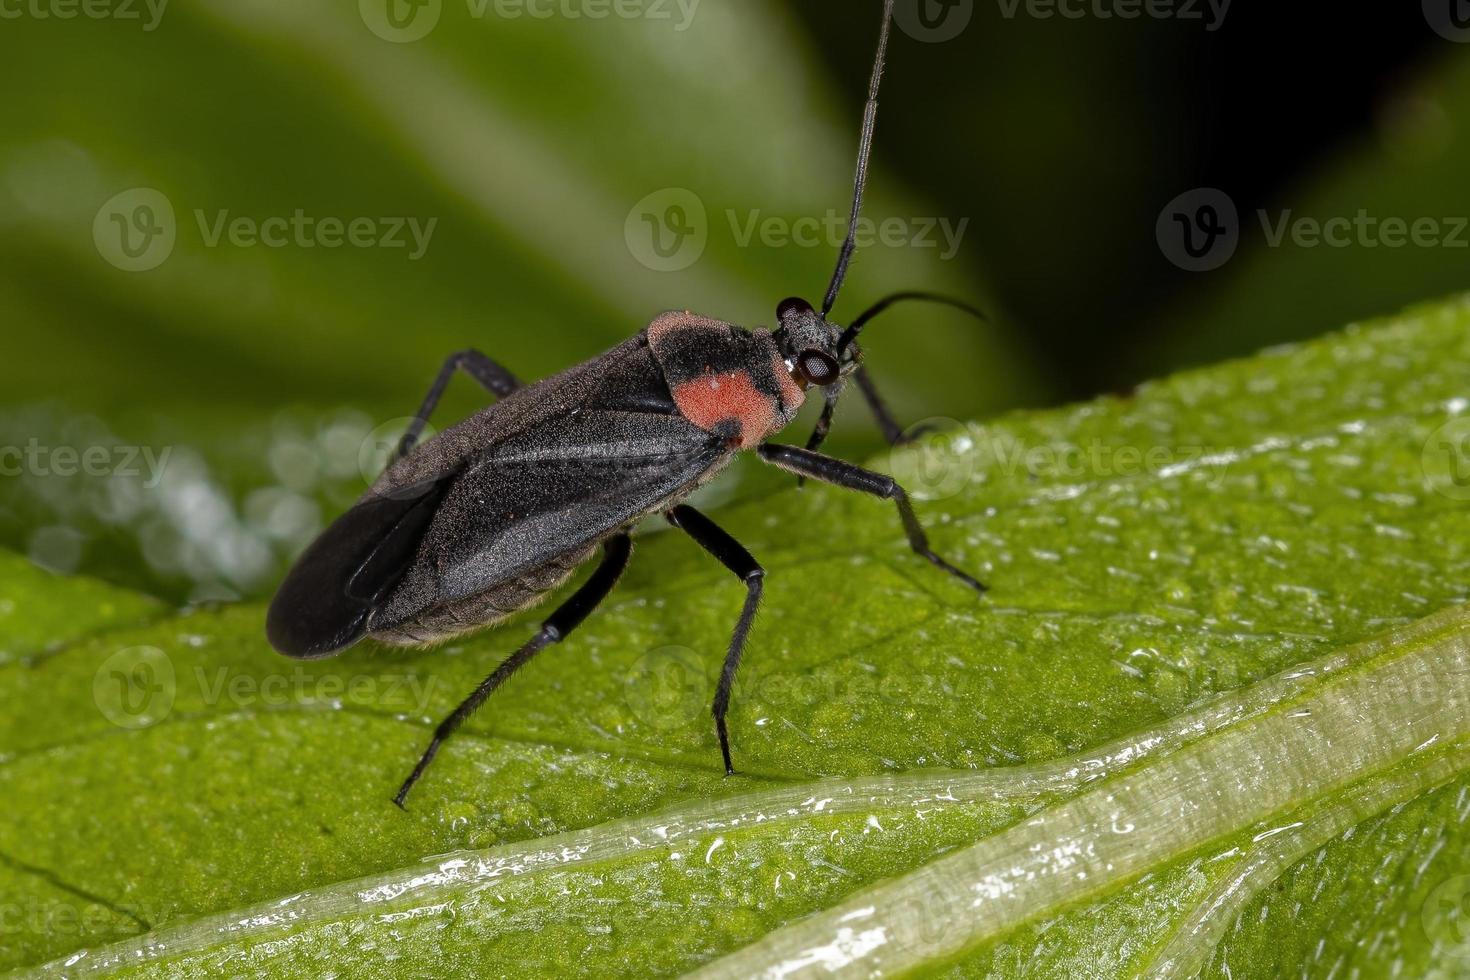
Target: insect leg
892, 431
844, 474
886, 422
567, 617
824, 421
494, 378
732, 554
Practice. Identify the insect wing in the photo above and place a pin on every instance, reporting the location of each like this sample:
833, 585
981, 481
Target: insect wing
326, 599
550, 491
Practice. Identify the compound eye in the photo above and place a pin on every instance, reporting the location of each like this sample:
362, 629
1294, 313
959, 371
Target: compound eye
793, 305
818, 367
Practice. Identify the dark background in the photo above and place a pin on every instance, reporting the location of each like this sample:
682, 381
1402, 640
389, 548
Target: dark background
1063, 138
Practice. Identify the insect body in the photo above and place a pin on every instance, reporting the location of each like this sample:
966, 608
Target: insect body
491, 514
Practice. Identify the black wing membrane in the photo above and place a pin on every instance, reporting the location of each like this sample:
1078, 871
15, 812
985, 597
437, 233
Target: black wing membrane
549, 491
324, 603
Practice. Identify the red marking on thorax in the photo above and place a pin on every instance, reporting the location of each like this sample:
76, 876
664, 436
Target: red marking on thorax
711, 399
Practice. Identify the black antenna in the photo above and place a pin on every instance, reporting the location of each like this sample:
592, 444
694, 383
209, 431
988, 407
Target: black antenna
865, 150
863, 318
890, 428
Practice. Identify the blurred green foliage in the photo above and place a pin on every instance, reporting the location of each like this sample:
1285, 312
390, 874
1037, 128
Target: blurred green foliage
529, 142
269, 374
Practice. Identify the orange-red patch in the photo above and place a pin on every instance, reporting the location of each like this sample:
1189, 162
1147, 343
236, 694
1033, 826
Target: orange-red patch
711, 399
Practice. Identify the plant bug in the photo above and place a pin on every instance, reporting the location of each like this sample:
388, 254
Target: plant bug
493, 513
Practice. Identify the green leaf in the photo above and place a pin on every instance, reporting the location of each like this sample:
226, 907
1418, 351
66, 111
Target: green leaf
39, 612
1212, 714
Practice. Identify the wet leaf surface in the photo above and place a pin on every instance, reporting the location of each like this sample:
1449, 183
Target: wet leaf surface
1145, 556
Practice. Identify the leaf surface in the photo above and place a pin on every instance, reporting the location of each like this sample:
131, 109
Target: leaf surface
1224, 641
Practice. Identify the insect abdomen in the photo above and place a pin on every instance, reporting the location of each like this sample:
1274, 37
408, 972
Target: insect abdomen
450, 619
